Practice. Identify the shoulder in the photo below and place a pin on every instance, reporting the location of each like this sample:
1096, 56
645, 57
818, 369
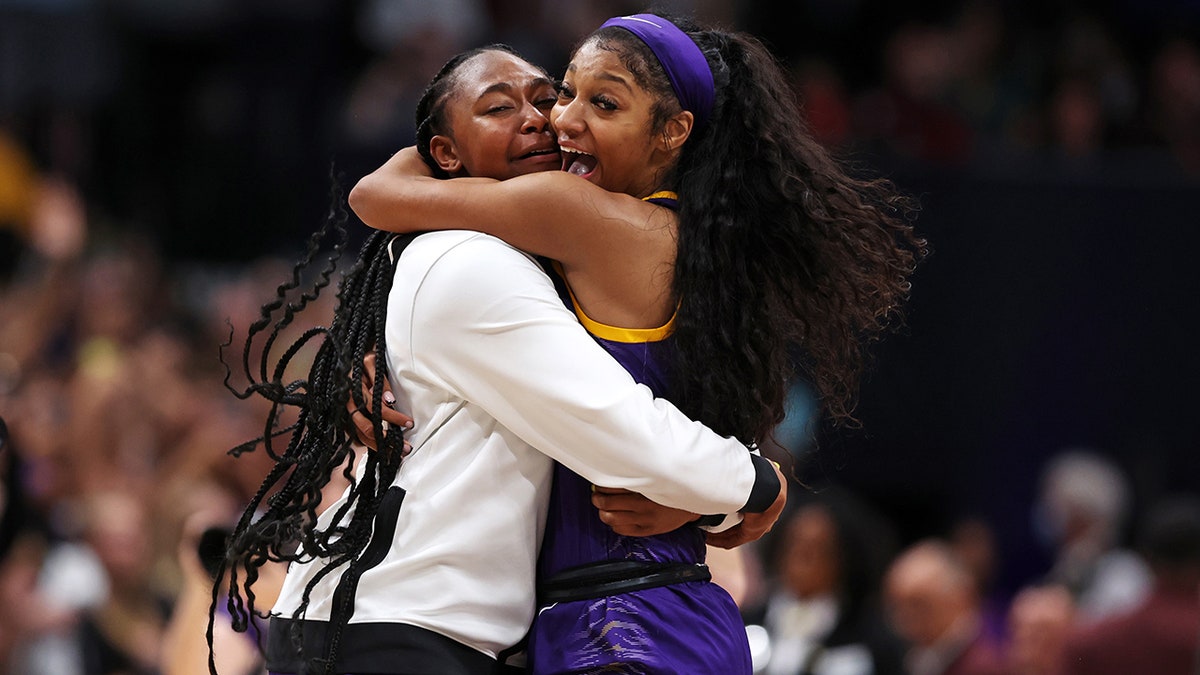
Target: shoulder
463, 255
455, 271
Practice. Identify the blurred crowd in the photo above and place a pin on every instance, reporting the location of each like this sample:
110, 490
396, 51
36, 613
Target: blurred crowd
835, 590
161, 164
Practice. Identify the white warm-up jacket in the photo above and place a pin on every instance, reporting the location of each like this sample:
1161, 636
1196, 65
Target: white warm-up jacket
502, 380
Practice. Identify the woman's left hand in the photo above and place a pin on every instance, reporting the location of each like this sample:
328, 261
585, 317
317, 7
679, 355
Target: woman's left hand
631, 514
753, 525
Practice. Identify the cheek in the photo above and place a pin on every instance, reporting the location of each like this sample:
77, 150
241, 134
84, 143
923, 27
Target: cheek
486, 153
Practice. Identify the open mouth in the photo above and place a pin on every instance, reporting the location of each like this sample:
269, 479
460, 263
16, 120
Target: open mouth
578, 163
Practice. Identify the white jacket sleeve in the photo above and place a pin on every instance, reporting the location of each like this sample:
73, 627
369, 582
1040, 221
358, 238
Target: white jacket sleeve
487, 322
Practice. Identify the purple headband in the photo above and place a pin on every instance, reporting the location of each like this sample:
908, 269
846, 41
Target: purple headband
681, 58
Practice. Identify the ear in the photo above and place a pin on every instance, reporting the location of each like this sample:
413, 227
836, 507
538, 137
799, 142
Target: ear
445, 154
676, 130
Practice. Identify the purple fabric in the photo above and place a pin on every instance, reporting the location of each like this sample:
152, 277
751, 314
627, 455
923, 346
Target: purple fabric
681, 58
693, 627
671, 630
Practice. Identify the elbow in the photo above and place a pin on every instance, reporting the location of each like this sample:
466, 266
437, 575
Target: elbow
359, 199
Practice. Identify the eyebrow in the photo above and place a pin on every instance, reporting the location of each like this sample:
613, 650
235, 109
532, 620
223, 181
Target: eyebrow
505, 87
606, 76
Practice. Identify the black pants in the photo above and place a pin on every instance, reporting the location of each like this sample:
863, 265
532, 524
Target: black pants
378, 649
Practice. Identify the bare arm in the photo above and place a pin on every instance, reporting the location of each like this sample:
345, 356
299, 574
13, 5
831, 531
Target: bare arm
552, 213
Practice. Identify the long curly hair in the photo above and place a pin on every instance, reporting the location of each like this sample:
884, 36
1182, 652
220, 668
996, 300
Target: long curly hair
787, 265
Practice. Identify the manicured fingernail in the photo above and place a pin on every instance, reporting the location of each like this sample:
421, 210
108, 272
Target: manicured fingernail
389, 398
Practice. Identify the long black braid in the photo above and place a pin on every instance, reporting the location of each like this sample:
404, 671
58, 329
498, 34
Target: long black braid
280, 522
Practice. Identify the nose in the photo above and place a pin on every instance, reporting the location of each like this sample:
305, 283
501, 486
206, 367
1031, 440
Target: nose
565, 118
535, 121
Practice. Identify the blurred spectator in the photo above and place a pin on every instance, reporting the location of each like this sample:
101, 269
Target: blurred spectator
1174, 100
17, 178
123, 634
1040, 620
24, 612
209, 504
824, 101
909, 112
1076, 119
992, 78
98, 615
408, 41
822, 612
932, 600
1161, 635
1087, 56
1082, 507
974, 542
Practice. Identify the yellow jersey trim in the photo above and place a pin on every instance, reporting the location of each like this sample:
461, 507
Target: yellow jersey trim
615, 333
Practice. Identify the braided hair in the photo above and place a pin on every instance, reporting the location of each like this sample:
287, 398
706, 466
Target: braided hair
280, 522
787, 264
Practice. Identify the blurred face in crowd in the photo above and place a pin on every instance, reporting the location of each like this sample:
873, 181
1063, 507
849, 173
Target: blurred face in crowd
926, 594
497, 119
811, 561
1039, 620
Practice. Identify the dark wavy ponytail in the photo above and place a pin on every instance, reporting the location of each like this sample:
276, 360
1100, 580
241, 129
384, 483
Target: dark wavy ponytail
787, 265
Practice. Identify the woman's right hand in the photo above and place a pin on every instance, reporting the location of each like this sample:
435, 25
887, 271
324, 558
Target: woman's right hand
634, 515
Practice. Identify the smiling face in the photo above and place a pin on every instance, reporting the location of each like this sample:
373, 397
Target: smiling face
603, 119
497, 124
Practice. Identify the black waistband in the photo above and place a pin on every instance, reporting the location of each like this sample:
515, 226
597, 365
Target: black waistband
614, 577
375, 647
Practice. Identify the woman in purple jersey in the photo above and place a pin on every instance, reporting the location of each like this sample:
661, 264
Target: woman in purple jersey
774, 250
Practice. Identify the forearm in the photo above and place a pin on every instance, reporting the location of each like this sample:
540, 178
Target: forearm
379, 198
498, 333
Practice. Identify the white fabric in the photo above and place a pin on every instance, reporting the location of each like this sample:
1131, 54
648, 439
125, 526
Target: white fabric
473, 319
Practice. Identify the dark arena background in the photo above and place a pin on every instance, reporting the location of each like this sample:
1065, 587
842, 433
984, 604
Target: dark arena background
162, 164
